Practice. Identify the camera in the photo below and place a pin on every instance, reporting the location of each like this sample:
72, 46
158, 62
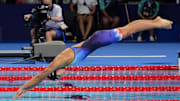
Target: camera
40, 14
38, 20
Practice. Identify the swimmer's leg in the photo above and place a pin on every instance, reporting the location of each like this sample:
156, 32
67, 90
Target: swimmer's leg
140, 25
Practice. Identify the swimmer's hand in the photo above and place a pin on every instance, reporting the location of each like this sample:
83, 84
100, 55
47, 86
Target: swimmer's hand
19, 93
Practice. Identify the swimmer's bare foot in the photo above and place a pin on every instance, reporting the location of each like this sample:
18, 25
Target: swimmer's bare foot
164, 23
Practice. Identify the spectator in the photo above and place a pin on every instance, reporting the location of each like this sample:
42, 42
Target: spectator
54, 25
110, 13
148, 9
85, 12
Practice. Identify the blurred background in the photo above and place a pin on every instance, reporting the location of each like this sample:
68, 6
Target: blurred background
12, 23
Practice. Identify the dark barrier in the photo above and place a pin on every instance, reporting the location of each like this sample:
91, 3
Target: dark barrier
12, 22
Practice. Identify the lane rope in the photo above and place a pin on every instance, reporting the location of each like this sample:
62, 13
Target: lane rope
124, 77
95, 68
96, 89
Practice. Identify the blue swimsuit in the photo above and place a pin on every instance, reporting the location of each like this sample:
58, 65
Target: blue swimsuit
97, 40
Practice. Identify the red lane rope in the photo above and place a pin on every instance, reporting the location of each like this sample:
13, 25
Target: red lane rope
125, 77
95, 68
128, 89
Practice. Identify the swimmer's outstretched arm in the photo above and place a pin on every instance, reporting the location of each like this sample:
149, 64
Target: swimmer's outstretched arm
67, 56
62, 60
